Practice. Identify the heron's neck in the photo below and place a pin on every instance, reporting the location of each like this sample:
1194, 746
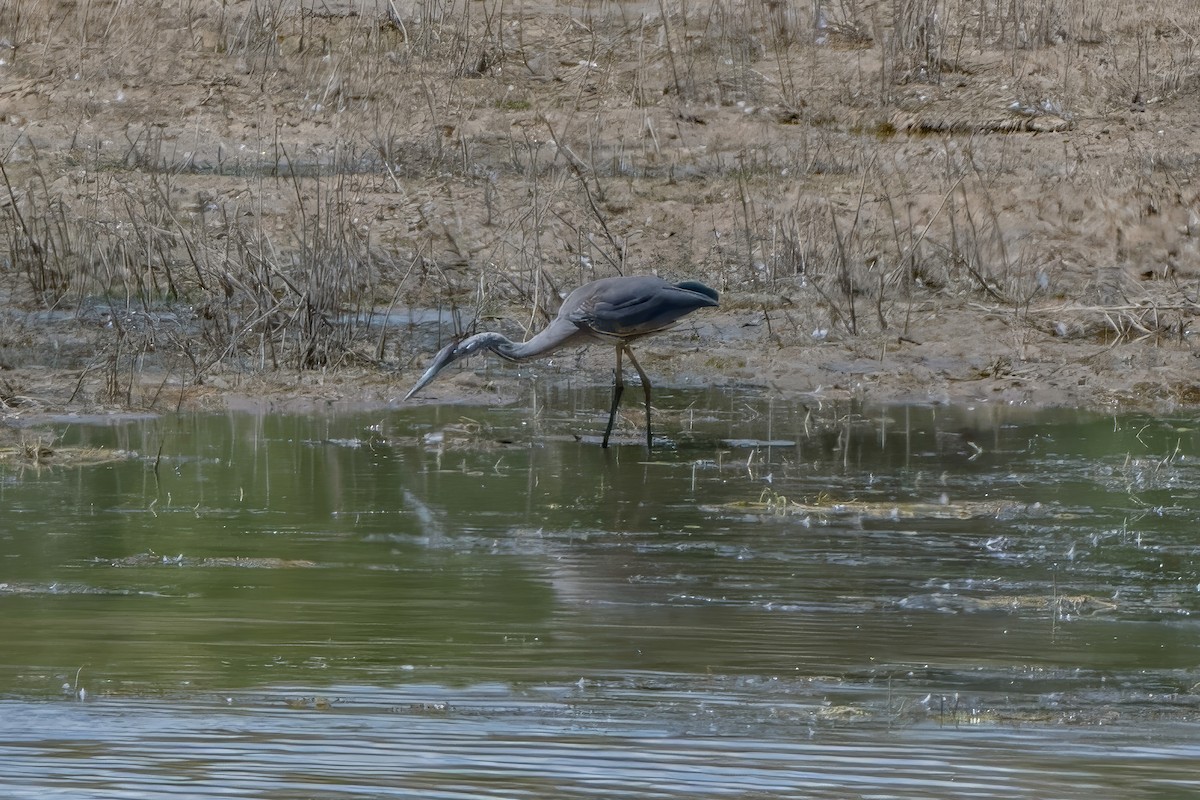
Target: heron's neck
558, 333
502, 346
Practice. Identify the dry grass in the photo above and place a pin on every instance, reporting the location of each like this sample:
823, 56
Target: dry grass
37, 450
303, 165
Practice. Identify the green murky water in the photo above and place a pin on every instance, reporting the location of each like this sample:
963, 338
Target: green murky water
783, 601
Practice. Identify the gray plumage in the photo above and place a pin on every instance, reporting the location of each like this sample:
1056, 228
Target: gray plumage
616, 311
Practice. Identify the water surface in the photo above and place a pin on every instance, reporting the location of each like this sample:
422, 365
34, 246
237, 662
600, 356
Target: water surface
782, 600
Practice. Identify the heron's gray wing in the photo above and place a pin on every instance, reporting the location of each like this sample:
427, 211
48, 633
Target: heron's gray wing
635, 306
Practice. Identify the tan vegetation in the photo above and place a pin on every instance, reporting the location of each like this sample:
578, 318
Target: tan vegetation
993, 193
41, 450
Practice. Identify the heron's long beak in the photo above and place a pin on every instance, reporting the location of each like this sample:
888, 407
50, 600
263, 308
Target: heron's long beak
443, 359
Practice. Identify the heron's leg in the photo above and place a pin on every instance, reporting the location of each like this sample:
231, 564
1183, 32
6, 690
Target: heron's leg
618, 388
645, 388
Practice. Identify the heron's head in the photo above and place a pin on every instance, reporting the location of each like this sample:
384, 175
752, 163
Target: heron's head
453, 352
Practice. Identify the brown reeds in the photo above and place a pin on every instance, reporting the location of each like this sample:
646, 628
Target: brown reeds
303, 168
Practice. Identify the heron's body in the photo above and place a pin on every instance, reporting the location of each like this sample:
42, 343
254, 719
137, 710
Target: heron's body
616, 311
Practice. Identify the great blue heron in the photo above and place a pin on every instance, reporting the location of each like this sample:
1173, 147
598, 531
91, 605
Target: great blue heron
617, 311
